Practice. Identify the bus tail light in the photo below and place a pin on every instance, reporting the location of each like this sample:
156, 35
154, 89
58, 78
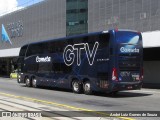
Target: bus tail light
114, 74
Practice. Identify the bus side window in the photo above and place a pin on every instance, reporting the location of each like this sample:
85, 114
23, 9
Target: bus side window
59, 46
23, 51
91, 40
34, 49
32, 67
56, 67
70, 42
51, 47
44, 67
111, 51
66, 69
85, 39
61, 68
104, 39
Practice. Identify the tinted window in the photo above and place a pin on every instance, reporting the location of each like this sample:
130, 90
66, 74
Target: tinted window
55, 46
23, 51
128, 37
35, 49
104, 40
32, 67
51, 47
59, 46
76, 24
45, 67
46, 47
61, 68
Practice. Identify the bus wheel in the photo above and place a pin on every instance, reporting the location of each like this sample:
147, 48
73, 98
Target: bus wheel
87, 88
34, 82
28, 82
76, 87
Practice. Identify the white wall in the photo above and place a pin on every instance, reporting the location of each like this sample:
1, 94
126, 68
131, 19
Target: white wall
9, 52
151, 39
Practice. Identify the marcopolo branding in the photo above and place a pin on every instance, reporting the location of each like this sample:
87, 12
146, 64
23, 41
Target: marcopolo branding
43, 59
129, 50
71, 50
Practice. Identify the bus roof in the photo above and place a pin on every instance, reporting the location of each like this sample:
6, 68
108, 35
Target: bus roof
80, 35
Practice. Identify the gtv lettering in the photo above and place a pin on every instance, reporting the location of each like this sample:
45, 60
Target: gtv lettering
69, 53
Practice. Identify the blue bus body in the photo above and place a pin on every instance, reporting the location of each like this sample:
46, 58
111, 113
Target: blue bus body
107, 61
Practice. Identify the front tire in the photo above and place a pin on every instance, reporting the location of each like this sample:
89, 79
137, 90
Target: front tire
87, 88
76, 87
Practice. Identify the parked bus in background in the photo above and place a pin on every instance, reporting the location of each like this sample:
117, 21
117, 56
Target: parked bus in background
107, 61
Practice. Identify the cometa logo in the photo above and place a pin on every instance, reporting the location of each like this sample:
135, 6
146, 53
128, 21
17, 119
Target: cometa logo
43, 59
5, 36
129, 50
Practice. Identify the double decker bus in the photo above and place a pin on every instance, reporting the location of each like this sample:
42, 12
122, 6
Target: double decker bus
107, 61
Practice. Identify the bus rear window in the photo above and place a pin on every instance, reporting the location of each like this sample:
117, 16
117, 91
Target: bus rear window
128, 37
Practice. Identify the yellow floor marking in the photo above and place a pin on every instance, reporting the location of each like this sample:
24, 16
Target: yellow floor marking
62, 105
